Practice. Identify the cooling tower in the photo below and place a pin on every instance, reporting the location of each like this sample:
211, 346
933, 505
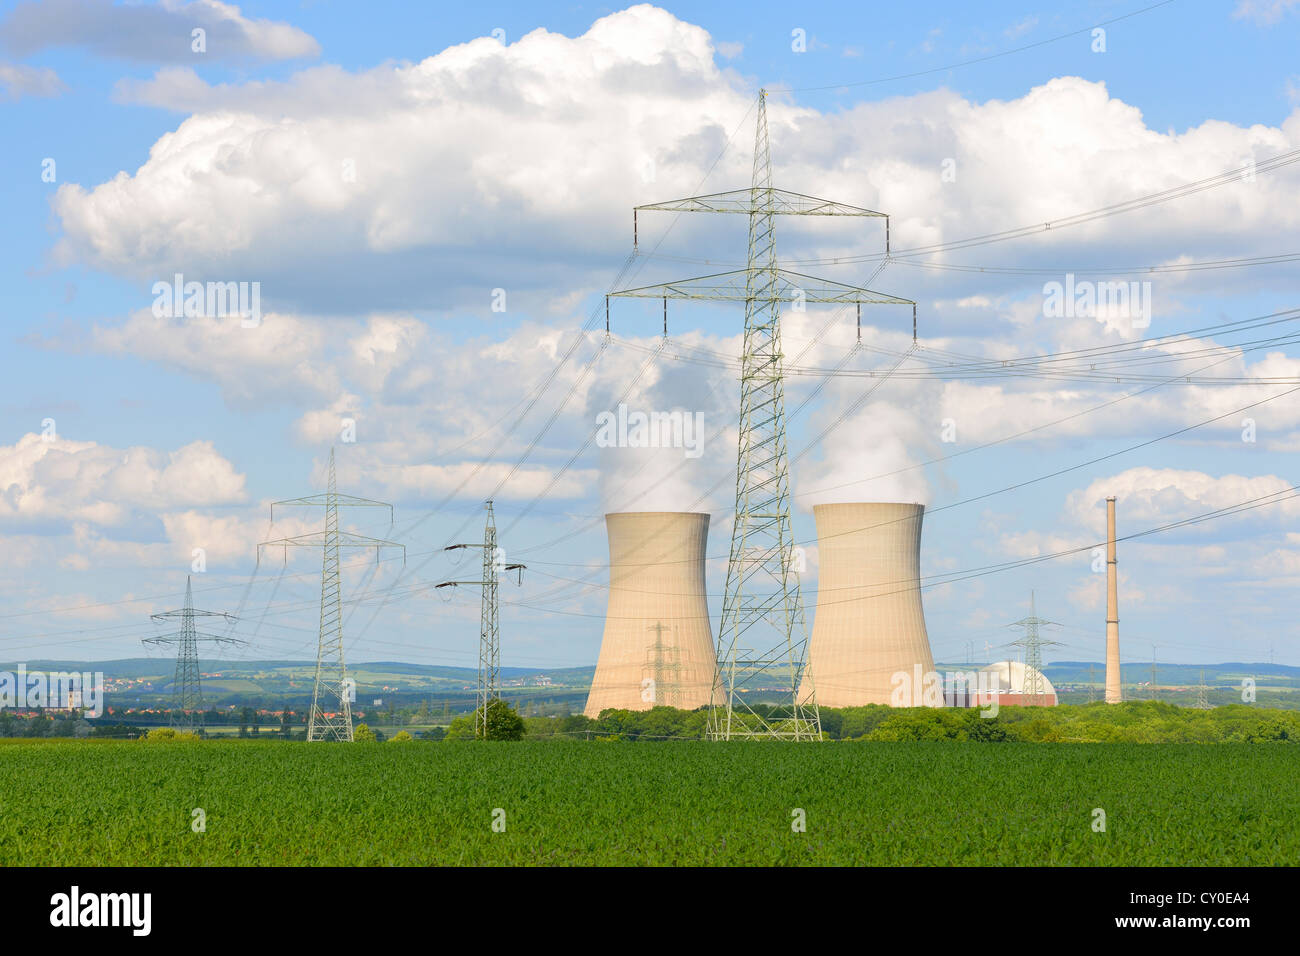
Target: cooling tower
658, 647
869, 624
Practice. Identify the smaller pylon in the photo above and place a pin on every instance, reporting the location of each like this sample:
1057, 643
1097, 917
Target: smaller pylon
1202, 695
187, 686
1034, 694
330, 717
489, 648
663, 666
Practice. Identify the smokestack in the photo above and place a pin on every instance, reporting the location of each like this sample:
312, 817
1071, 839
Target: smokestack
1113, 691
658, 646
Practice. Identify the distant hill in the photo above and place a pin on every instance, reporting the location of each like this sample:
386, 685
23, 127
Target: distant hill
136, 667
1138, 671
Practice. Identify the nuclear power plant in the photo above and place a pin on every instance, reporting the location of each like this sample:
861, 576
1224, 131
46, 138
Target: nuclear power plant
869, 624
657, 648
868, 637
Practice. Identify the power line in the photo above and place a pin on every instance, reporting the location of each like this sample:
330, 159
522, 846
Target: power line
973, 60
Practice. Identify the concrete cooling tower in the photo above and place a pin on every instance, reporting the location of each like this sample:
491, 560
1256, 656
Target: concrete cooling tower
658, 646
869, 624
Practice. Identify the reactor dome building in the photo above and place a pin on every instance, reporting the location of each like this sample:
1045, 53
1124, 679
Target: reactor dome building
869, 625
657, 648
1016, 683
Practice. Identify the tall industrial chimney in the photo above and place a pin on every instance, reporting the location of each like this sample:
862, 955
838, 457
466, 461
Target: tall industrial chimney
1114, 693
870, 625
657, 648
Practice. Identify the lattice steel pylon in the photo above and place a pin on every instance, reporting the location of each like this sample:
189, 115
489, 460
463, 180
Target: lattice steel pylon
1202, 695
332, 695
187, 687
762, 585
1033, 693
663, 666
489, 645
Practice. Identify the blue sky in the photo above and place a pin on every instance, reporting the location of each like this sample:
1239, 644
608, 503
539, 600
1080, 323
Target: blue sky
381, 169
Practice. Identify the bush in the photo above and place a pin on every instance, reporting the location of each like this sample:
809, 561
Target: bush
168, 733
400, 737
362, 734
502, 722
938, 723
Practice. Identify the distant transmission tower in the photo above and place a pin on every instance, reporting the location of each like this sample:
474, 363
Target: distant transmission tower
664, 666
1092, 689
331, 700
762, 585
187, 689
489, 646
1034, 693
1202, 695
1153, 672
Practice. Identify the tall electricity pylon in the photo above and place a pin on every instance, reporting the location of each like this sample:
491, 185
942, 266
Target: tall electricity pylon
1034, 693
187, 688
489, 644
332, 696
762, 584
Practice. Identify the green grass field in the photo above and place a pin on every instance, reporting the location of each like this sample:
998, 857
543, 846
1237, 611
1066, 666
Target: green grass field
688, 803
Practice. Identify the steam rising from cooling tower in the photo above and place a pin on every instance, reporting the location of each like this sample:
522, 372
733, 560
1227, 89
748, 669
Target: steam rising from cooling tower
657, 648
870, 624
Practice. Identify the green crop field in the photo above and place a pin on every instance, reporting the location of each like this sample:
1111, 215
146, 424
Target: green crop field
683, 803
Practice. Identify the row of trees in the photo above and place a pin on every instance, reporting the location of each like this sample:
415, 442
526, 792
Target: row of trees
1132, 722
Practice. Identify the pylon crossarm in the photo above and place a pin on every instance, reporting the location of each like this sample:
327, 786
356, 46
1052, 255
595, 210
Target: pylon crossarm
219, 639
340, 539
346, 539
184, 612
780, 202
323, 501
198, 636
735, 287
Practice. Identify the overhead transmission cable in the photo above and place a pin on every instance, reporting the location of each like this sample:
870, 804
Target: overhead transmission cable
970, 62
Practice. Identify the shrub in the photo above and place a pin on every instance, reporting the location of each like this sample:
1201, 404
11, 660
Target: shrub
362, 734
168, 733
